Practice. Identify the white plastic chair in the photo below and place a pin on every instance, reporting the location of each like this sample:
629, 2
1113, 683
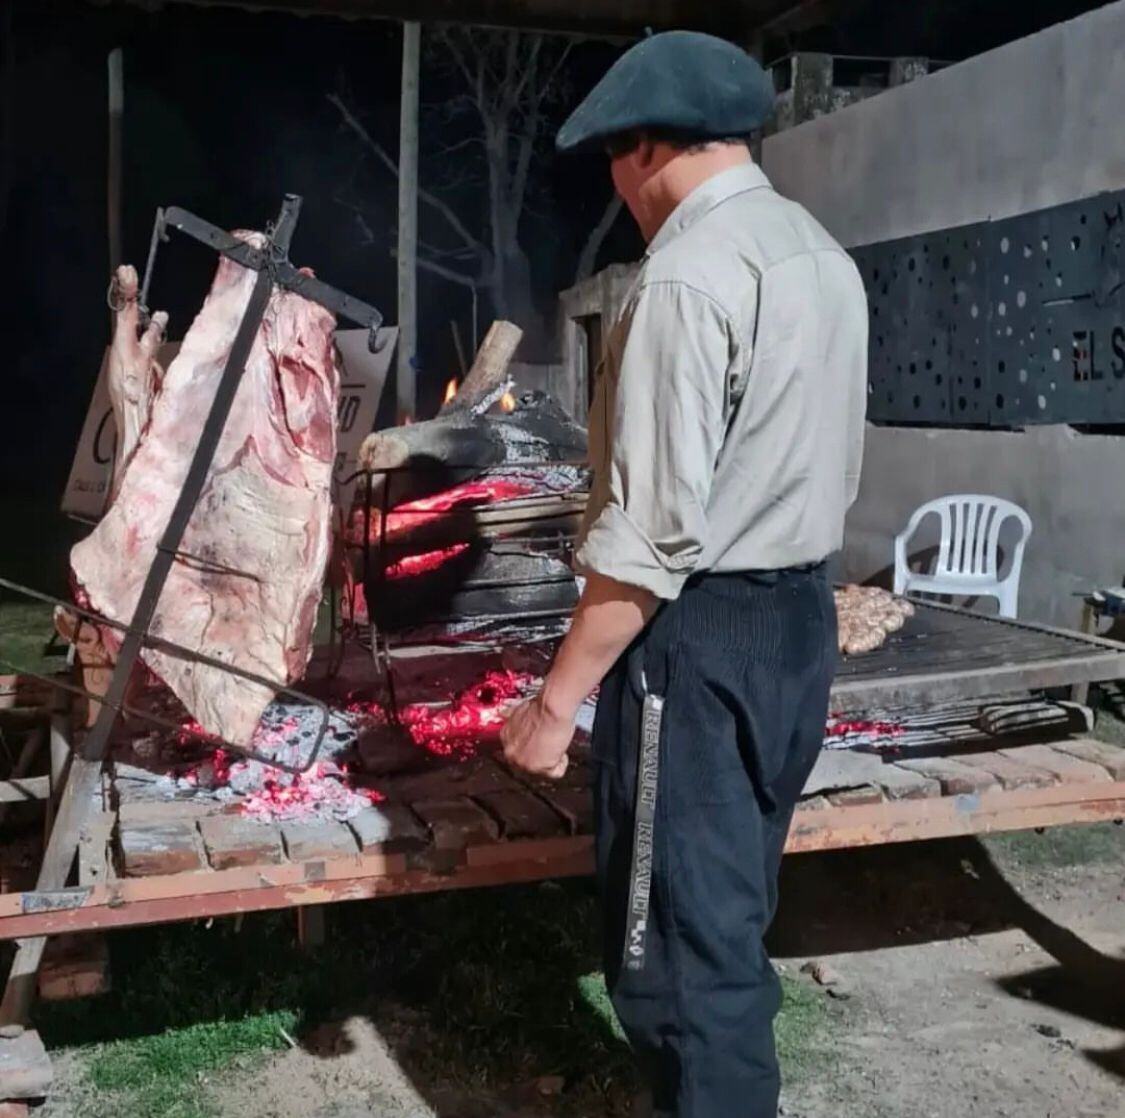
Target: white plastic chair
969, 556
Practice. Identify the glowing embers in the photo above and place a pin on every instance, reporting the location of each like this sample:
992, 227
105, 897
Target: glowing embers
469, 494
425, 563
458, 730
475, 715
324, 791
840, 729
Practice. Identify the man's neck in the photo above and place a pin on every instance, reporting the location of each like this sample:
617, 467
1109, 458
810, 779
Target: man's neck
680, 176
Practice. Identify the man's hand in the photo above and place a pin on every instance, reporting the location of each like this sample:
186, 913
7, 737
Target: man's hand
609, 616
536, 740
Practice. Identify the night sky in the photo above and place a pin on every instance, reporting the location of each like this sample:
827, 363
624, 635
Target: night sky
225, 111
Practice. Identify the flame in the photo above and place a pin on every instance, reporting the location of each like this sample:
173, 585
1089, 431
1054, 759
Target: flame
450, 390
507, 402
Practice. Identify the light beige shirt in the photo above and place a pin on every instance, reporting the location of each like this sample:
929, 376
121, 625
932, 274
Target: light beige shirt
727, 427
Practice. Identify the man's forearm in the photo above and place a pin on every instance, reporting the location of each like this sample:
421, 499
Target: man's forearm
608, 617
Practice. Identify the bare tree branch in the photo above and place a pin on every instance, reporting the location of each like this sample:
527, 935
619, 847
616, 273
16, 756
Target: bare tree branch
443, 271
529, 69
545, 86
430, 199
468, 142
447, 36
588, 258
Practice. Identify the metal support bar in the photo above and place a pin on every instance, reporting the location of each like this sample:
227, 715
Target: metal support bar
273, 258
177, 650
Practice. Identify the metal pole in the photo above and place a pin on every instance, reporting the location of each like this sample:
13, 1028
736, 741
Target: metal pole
115, 160
408, 224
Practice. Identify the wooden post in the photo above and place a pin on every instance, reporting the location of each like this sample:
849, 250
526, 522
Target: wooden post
408, 224
114, 163
312, 929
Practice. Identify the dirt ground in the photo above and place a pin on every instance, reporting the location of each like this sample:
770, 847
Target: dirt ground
969, 980
1003, 996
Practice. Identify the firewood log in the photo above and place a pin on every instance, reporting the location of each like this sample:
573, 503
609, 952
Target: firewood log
436, 454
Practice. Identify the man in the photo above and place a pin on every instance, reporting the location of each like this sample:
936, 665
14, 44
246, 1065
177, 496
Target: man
725, 439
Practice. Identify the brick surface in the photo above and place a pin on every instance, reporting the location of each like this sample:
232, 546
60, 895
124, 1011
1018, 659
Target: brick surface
306, 841
1010, 772
25, 1070
233, 841
955, 779
576, 805
1065, 768
74, 966
813, 803
522, 814
1110, 757
456, 824
855, 797
390, 828
160, 848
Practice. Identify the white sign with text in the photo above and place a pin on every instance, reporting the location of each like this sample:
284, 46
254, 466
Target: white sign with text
362, 376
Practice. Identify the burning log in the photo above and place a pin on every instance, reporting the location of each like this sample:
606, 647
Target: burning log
462, 442
487, 380
458, 445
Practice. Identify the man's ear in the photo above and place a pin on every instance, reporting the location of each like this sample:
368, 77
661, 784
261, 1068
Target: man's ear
645, 153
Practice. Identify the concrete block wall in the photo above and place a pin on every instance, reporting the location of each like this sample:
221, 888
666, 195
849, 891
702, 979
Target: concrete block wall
1030, 125
1069, 483
1034, 124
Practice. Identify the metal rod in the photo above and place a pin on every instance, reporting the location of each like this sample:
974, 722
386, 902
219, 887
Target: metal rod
158, 644
405, 402
115, 155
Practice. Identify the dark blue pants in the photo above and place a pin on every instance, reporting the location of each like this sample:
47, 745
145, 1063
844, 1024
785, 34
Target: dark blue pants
744, 664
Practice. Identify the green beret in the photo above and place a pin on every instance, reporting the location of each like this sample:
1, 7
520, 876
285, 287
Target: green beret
678, 81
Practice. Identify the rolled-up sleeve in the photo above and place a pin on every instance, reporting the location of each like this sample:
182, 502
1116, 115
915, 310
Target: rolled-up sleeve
665, 429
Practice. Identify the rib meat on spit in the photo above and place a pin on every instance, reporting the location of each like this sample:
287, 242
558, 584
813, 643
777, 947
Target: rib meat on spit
134, 375
246, 588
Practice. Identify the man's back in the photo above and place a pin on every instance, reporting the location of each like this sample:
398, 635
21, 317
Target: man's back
794, 403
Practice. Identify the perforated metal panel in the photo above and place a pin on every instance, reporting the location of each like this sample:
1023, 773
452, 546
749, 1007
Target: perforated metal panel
1004, 323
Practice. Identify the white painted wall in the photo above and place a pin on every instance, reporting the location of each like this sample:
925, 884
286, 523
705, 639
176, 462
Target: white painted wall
1033, 124
1072, 486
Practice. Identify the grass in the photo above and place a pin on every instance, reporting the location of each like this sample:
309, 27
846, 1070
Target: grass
478, 992
25, 629
802, 1030
1059, 847
1109, 714
161, 1074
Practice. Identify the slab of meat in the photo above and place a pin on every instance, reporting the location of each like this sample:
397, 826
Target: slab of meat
259, 538
134, 375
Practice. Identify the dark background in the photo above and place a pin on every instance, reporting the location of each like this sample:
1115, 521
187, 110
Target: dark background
225, 111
